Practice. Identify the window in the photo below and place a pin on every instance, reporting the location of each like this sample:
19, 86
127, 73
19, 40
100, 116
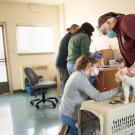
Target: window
35, 39
3, 71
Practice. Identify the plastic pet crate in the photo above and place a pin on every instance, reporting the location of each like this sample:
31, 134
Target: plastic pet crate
103, 118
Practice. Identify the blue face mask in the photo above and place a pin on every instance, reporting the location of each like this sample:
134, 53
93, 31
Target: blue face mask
111, 34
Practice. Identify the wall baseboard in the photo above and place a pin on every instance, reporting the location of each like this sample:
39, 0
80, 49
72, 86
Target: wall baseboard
18, 91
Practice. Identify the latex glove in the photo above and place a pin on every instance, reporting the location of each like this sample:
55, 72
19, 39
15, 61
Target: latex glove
98, 55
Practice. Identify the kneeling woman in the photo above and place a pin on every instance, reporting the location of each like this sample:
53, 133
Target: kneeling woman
78, 89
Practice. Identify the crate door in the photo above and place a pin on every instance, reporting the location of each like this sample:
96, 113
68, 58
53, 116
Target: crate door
88, 123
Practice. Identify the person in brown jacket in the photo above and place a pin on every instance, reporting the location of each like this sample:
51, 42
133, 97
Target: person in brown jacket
123, 27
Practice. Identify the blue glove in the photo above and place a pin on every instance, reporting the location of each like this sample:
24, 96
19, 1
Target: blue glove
98, 55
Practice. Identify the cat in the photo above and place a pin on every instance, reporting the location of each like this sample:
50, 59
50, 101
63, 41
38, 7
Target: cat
127, 82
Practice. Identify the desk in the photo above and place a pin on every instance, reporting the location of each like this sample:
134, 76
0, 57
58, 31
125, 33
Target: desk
106, 79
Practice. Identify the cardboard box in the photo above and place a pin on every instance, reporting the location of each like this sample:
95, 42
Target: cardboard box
106, 79
107, 55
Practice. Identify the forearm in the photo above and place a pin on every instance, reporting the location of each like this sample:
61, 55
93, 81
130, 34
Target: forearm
131, 71
95, 94
109, 94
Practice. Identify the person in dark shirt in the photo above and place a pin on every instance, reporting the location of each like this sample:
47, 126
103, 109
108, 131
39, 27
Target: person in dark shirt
123, 27
61, 61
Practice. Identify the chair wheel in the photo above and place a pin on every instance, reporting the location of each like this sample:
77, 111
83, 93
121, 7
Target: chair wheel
31, 103
54, 105
37, 106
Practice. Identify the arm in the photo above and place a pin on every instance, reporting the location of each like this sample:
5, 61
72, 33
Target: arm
85, 44
93, 93
131, 71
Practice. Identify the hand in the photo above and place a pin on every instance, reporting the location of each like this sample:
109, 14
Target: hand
131, 71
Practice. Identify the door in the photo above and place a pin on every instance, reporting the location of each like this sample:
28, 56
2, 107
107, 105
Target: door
4, 84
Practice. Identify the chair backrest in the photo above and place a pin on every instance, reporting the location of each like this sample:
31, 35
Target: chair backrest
31, 75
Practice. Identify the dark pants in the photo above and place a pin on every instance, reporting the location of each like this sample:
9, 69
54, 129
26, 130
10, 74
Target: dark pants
63, 73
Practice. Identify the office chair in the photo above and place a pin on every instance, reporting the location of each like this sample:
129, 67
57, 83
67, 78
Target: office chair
40, 86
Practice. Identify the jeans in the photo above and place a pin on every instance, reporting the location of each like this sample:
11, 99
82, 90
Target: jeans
70, 68
71, 123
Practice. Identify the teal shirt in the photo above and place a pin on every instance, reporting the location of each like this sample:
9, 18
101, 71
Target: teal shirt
78, 45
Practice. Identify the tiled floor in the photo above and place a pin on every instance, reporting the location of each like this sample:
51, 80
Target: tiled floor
18, 117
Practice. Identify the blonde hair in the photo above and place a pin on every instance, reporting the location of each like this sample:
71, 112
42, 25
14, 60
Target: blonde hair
83, 61
72, 27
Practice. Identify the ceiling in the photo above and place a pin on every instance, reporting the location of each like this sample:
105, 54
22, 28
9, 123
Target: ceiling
48, 2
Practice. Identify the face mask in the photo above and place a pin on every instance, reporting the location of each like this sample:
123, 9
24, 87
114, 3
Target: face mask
95, 71
111, 34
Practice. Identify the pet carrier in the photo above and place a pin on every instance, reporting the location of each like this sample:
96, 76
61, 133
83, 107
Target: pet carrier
106, 118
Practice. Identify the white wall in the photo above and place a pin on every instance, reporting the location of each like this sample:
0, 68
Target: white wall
76, 11
80, 11
13, 14
62, 20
